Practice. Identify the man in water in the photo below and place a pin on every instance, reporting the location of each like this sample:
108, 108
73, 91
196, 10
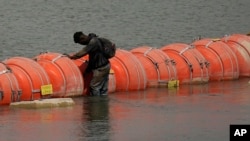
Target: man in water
98, 64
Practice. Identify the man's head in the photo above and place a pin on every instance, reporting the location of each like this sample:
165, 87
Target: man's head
81, 38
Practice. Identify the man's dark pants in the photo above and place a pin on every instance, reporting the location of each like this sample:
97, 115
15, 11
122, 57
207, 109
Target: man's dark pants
99, 82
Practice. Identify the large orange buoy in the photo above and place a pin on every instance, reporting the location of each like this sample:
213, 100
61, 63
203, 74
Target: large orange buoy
223, 61
129, 72
65, 76
158, 66
30, 76
82, 64
240, 44
191, 66
9, 87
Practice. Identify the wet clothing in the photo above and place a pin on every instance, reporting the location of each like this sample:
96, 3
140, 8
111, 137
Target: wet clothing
99, 82
98, 64
96, 58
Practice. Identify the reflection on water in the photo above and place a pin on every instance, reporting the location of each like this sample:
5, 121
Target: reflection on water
96, 117
190, 112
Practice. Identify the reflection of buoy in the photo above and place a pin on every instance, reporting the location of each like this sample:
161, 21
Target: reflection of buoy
129, 72
65, 77
223, 61
240, 44
30, 76
9, 87
191, 66
159, 68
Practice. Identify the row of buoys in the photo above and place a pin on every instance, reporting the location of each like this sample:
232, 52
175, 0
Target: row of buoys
191, 66
64, 75
225, 64
158, 66
204, 60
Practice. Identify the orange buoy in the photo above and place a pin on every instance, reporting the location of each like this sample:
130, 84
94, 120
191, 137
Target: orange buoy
82, 65
191, 66
65, 76
158, 66
240, 44
129, 72
9, 87
223, 61
30, 76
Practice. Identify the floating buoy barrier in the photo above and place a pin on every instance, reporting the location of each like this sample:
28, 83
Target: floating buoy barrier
223, 61
191, 66
53, 75
240, 44
9, 87
30, 76
65, 76
159, 68
129, 72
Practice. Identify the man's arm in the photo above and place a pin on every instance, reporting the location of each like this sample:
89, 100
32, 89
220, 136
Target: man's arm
92, 46
80, 53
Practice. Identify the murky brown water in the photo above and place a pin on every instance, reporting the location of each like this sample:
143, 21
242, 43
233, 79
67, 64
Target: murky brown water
190, 113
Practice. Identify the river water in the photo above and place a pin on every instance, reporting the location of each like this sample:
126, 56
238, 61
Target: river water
188, 113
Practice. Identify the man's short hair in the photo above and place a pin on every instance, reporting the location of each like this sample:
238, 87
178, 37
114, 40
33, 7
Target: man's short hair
77, 36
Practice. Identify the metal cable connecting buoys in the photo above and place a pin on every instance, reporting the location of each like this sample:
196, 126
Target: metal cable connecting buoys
65, 76
9, 87
223, 61
190, 64
157, 65
240, 44
30, 76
